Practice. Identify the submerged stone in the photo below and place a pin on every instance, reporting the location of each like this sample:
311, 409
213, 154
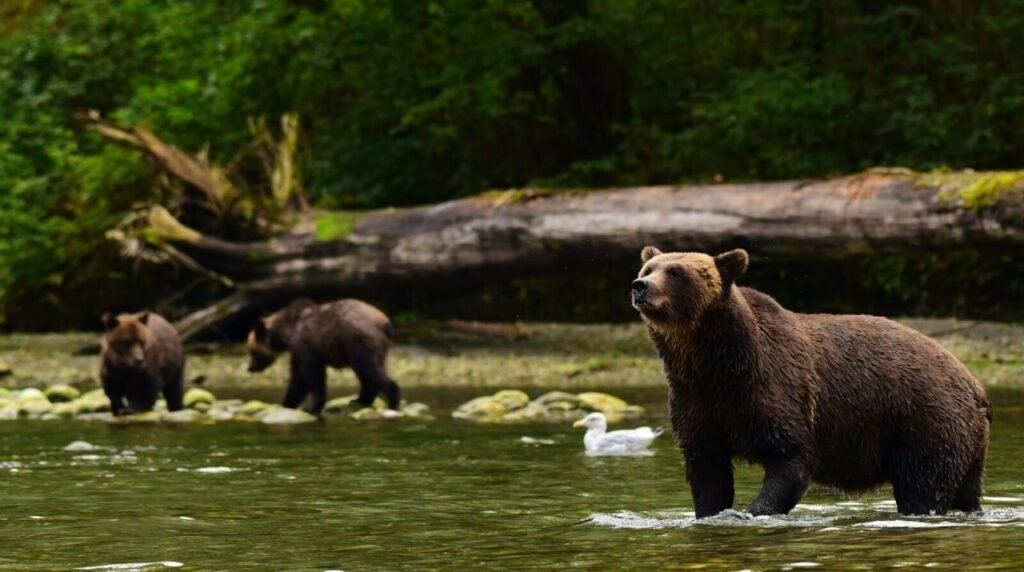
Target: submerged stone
194, 396
285, 416
61, 393
95, 416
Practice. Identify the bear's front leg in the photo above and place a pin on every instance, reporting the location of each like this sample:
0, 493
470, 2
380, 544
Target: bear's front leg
711, 483
115, 393
785, 483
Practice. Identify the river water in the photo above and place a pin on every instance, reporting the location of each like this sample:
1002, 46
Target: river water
444, 495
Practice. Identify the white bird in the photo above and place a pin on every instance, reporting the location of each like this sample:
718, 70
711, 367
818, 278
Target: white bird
622, 442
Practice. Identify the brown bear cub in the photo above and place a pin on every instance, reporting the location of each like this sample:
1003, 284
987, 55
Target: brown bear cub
849, 402
141, 357
344, 333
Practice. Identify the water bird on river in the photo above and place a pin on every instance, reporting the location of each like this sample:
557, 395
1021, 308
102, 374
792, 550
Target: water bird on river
623, 442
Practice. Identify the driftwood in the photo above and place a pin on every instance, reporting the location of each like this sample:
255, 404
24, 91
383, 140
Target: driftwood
500, 236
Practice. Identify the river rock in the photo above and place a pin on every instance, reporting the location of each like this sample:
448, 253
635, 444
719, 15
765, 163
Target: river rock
552, 407
416, 409
183, 416
366, 414
558, 397
285, 416
603, 402
4, 391
67, 409
482, 409
33, 403
196, 395
143, 417
61, 393
94, 401
8, 412
105, 416
253, 408
512, 398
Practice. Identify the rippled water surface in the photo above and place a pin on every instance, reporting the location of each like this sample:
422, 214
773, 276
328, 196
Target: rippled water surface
443, 495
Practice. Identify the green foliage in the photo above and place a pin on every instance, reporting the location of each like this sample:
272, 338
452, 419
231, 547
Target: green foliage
407, 102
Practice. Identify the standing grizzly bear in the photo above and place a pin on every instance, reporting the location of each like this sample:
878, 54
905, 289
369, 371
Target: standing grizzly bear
338, 334
850, 402
141, 357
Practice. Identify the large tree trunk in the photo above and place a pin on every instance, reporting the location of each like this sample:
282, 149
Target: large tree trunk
500, 236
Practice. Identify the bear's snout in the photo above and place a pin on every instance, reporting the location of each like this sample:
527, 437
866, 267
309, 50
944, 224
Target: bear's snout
639, 288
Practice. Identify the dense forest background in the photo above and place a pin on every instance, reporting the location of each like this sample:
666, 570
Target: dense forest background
408, 102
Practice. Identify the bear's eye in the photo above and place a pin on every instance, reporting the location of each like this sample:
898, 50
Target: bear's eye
674, 272
647, 272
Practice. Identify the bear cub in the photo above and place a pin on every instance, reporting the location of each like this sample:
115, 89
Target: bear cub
343, 333
846, 401
141, 357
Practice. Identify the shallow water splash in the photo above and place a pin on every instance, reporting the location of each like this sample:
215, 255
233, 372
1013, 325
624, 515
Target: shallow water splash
442, 495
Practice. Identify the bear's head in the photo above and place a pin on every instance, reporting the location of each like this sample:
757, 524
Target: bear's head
126, 341
677, 287
262, 352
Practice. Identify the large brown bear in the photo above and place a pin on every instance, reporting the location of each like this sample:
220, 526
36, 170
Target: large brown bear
850, 402
344, 333
141, 357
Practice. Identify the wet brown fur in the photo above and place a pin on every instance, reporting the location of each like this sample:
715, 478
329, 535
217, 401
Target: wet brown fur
847, 401
141, 357
343, 333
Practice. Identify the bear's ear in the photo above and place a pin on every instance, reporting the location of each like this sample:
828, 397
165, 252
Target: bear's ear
108, 320
259, 329
648, 253
143, 317
731, 265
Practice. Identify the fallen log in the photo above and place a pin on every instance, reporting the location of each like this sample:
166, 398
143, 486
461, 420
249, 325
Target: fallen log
502, 235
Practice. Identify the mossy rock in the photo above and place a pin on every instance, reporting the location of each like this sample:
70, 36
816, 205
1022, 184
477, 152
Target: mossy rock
512, 398
33, 403
8, 413
194, 396
340, 404
31, 394
366, 414
61, 393
480, 409
183, 416
557, 397
4, 391
94, 401
533, 412
253, 407
603, 402
285, 416
66, 409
